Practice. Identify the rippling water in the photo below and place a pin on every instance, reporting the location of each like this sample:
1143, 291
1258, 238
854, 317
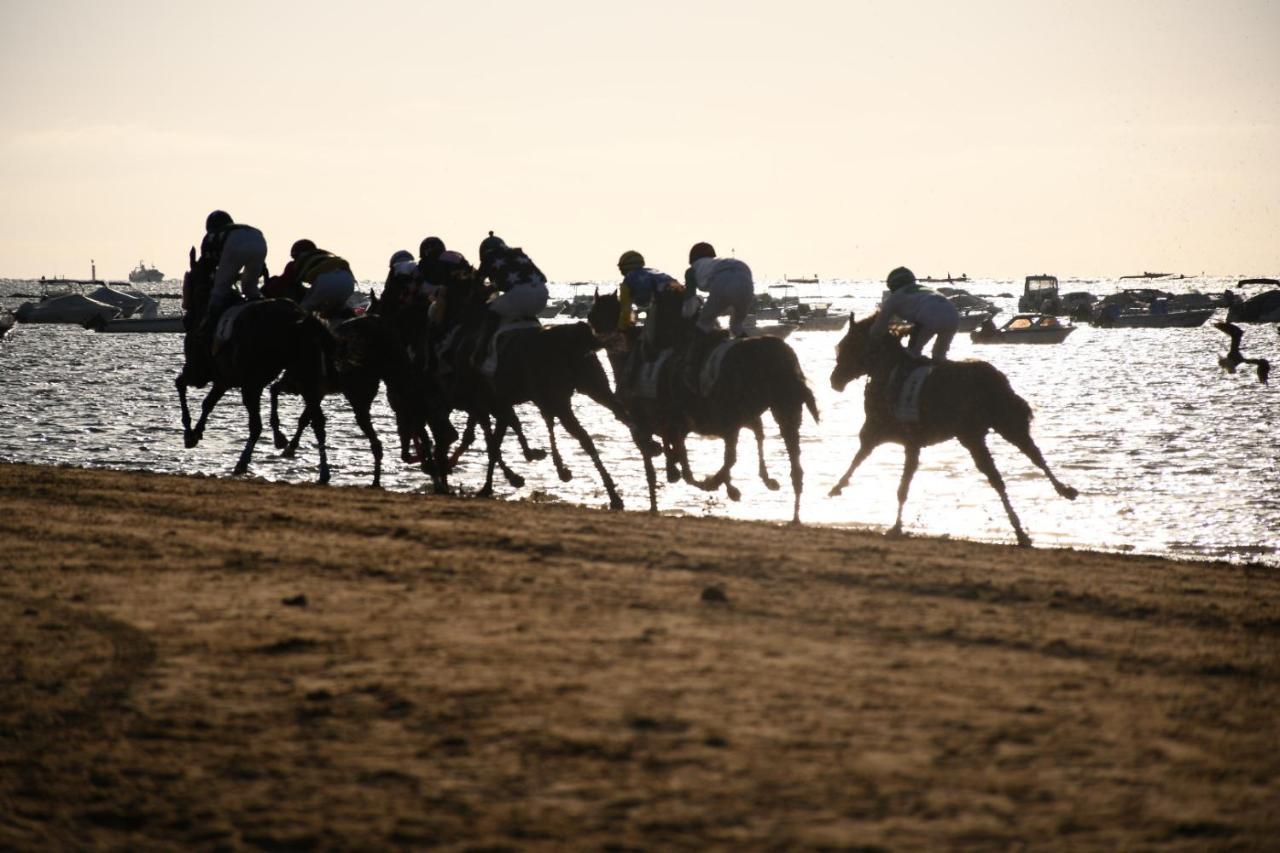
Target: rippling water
1170, 455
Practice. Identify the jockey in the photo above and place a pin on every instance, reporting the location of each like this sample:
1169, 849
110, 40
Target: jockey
329, 276
929, 312
730, 290
400, 286
639, 285
728, 285
438, 266
521, 286
236, 252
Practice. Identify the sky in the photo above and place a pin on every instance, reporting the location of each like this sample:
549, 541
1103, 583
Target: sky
842, 139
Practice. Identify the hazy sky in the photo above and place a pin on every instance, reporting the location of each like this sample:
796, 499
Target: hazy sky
842, 138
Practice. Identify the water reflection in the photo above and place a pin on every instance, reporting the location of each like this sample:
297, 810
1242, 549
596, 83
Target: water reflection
1170, 456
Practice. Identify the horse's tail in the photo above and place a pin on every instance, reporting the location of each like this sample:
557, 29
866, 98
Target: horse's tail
790, 378
315, 346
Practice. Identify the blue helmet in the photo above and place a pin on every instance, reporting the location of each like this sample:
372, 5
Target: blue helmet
217, 219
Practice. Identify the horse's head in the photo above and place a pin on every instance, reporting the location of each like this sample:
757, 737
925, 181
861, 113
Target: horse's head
197, 286
603, 314
851, 353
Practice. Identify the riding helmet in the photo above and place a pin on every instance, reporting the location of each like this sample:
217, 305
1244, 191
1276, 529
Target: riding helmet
300, 248
701, 250
629, 261
401, 256
900, 277
431, 247
489, 245
217, 219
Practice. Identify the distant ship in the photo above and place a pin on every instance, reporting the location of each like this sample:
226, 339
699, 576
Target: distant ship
142, 275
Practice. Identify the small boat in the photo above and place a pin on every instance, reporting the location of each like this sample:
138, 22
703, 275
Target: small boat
972, 319
142, 275
805, 280
1157, 316
1024, 329
161, 323
963, 277
70, 308
1040, 293
1262, 308
1153, 275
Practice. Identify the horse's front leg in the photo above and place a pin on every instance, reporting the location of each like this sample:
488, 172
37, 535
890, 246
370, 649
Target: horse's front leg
531, 454
865, 446
910, 463
252, 398
192, 437
757, 427
181, 383
315, 412
468, 437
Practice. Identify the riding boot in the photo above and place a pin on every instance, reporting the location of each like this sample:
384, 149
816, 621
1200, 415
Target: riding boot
487, 331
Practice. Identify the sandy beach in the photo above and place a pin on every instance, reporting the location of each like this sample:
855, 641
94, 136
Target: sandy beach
191, 663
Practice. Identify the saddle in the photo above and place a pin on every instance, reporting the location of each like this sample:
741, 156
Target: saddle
903, 390
710, 372
502, 339
646, 374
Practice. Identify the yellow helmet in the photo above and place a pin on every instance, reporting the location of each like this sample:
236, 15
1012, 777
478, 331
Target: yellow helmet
629, 261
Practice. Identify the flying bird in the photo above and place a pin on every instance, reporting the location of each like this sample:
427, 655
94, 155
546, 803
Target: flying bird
1234, 359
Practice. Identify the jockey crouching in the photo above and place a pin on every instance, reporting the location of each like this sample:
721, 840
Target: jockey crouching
521, 286
929, 312
730, 290
437, 268
332, 283
640, 284
237, 252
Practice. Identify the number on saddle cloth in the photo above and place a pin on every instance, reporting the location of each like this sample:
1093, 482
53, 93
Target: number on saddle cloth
226, 326
501, 339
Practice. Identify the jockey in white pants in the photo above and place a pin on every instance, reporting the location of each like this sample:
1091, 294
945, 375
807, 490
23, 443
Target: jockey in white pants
728, 285
240, 253
929, 312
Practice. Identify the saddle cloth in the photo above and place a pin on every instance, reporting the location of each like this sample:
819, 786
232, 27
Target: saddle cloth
904, 392
499, 340
648, 374
226, 324
710, 373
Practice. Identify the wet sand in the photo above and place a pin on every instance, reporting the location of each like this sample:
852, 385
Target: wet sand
221, 664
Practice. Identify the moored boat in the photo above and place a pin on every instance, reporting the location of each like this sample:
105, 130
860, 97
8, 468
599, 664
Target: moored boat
1024, 329
161, 323
1040, 293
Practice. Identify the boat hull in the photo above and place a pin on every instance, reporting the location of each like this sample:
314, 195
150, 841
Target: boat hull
1036, 336
1172, 320
169, 324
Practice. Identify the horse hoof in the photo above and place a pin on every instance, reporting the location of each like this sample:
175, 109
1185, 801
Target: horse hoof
771, 484
733, 492
281, 442
240, 471
190, 440
835, 492
535, 455
565, 475
516, 481
289, 453
1069, 493
1024, 541
673, 476
615, 503
894, 532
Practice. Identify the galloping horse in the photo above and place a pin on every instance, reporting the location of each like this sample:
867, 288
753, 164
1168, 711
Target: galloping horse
368, 353
268, 337
961, 400
756, 374
545, 366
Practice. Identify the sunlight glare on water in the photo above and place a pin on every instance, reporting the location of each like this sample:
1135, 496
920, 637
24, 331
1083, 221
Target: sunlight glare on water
1170, 455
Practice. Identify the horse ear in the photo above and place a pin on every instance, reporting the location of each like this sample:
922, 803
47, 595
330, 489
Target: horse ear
851, 318
193, 257
597, 293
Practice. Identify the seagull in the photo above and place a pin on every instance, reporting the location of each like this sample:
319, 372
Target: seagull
1234, 359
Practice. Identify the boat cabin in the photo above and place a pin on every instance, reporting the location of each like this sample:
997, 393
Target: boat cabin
1037, 290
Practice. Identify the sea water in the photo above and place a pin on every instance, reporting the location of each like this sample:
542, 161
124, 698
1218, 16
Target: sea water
1171, 456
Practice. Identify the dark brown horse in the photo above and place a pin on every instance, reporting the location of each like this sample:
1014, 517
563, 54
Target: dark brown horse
963, 400
543, 366
268, 337
756, 375
367, 354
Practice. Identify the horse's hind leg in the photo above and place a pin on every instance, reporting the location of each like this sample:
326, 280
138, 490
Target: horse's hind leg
316, 413
711, 483
531, 454
562, 470
757, 426
1020, 437
360, 405
789, 425
468, 437
574, 427
181, 383
982, 458
252, 398
910, 463
277, 436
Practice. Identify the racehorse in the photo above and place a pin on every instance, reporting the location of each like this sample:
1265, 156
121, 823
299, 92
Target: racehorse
367, 353
963, 400
543, 366
267, 337
756, 374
